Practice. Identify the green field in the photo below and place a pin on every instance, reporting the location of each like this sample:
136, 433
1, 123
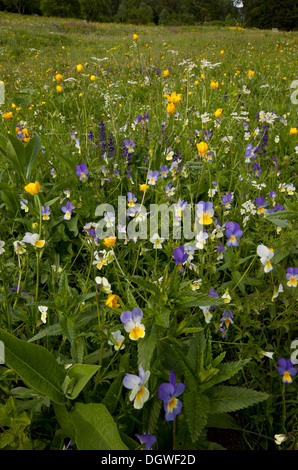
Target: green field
189, 117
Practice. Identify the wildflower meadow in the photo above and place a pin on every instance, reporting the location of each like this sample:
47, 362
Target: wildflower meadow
148, 236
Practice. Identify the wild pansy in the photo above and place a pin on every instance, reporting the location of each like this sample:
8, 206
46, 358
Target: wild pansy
207, 313
201, 239
226, 296
33, 239
45, 212
67, 209
136, 383
233, 232
24, 206
261, 204
265, 254
109, 219
131, 198
204, 212
287, 370
2, 244
147, 439
129, 145
103, 284
226, 200
169, 190
220, 250
257, 169
118, 339
227, 318
102, 258
152, 177
164, 171
157, 241
43, 310
82, 171
180, 257
132, 323
292, 277
168, 393
249, 153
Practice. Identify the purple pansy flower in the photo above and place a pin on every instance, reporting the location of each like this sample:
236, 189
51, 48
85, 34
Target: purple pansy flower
287, 370
68, 210
233, 232
261, 204
147, 439
82, 171
180, 257
152, 177
168, 393
226, 200
45, 212
292, 277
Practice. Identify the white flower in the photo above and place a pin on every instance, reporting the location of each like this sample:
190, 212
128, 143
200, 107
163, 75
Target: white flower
201, 239
268, 354
196, 284
19, 247
2, 244
207, 314
43, 311
265, 254
276, 292
157, 241
119, 338
103, 284
226, 297
279, 438
33, 239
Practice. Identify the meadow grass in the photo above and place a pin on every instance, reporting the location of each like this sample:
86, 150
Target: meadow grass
227, 314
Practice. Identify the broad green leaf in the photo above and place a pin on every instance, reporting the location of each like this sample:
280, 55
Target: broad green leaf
35, 365
32, 149
77, 378
95, 428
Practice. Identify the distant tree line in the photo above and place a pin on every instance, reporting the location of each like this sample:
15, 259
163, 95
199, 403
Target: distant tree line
263, 14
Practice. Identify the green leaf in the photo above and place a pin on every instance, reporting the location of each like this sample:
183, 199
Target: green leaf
224, 399
35, 365
52, 330
147, 345
95, 428
222, 421
32, 149
77, 378
225, 372
196, 411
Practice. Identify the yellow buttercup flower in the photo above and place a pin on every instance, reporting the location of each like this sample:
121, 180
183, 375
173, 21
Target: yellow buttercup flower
32, 188
143, 187
110, 241
213, 85
202, 148
251, 73
112, 301
165, 73
80, 68
135, 37
59, 77
7, 115
293, 130
59, 88
93, 78
171, 108
218, 113
174, 98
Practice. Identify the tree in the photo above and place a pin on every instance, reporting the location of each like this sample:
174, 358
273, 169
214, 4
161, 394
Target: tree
96, 10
